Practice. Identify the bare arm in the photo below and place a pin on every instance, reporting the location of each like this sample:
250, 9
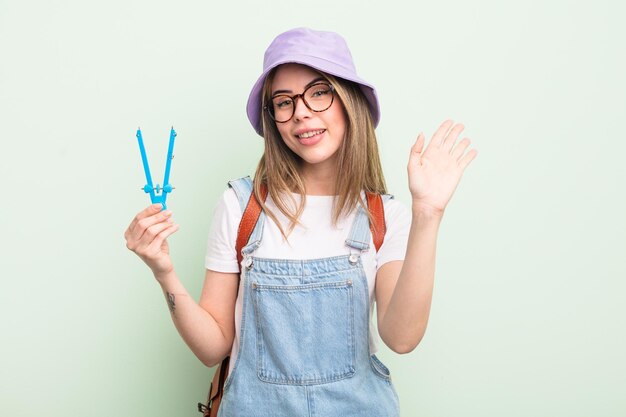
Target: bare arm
208, 327
404, 290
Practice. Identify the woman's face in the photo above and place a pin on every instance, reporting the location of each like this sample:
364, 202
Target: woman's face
313, 136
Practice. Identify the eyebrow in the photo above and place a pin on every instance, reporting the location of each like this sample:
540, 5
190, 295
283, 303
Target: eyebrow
318, 79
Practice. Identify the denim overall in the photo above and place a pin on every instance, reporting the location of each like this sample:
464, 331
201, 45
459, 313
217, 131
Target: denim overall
304, 337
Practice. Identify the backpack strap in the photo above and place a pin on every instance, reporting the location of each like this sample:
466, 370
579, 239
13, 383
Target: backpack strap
248, 221
253, 210
377, 225
369, 223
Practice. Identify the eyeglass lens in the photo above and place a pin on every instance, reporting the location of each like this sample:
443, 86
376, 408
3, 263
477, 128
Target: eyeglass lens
317, 97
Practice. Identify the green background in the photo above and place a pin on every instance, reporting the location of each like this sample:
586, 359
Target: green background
528, 315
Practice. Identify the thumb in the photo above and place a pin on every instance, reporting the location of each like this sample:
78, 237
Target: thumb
418, 146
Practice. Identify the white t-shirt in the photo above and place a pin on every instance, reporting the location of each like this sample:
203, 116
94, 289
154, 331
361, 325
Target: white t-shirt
316, 237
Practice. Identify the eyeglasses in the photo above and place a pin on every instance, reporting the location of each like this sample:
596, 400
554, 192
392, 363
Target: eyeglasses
317, 97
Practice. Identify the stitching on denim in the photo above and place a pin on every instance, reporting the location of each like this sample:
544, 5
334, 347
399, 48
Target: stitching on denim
242, 333
352, 324
260, 364
335, 374
347, 373
380, 369
296, 268
302, 287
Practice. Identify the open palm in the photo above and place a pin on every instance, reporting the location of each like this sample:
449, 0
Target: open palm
435, 172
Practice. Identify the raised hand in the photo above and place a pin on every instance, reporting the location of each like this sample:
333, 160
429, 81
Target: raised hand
435, 172
146, 236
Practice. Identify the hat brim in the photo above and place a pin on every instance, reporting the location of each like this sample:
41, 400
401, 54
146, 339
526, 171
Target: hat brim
254, 108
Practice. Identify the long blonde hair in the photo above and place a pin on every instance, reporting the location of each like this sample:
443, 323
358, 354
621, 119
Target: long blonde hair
358, 159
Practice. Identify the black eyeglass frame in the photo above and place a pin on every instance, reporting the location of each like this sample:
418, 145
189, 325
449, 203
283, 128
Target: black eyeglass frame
270, 108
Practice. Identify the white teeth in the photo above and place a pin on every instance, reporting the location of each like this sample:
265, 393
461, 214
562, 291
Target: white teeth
309, 134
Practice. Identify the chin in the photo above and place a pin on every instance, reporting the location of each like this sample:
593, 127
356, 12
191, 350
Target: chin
316, 158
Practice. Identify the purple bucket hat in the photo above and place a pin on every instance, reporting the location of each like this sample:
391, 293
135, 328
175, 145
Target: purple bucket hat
324, 51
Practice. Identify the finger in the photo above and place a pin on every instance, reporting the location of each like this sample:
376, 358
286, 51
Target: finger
148, 211
153, 231
155, 246
143, 225
416, 151
450, 140
440, 134
460, 147
418, 146
139, 245
464, 162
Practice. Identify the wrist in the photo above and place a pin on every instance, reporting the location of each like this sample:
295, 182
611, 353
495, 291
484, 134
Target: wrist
425, 210
165, 277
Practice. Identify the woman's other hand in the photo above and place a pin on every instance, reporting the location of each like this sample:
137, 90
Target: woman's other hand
147, 237
435, 172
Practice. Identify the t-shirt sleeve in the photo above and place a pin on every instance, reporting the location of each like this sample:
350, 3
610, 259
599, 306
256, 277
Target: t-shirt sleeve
220, 254
398, 222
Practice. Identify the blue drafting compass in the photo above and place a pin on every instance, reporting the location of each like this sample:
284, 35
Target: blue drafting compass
157, 194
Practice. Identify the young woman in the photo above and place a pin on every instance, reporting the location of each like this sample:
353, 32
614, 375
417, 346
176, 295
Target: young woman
297, 321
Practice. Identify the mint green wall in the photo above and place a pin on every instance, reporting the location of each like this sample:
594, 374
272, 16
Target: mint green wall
528, 314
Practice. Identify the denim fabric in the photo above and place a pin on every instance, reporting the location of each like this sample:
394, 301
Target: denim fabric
304, 342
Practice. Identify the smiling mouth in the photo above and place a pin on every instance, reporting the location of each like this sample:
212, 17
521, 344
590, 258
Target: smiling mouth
306, 135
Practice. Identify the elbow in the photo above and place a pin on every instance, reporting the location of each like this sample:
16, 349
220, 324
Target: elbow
212, 360
209, 363
403, 348
405, 345
216, 356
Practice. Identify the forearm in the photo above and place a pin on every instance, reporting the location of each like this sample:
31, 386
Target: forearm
406, 316
200, 331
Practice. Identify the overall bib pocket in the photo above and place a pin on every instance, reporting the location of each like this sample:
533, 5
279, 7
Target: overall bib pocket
305, 333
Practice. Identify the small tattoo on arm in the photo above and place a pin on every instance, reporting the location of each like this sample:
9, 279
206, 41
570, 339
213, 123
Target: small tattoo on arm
170, 302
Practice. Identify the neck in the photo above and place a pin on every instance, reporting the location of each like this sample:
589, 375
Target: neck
319, 180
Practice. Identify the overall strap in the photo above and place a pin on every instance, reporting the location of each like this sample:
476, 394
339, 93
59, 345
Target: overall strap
363, 229
242, 188
252, 211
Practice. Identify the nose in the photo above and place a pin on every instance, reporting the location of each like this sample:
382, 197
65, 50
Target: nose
300, 111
